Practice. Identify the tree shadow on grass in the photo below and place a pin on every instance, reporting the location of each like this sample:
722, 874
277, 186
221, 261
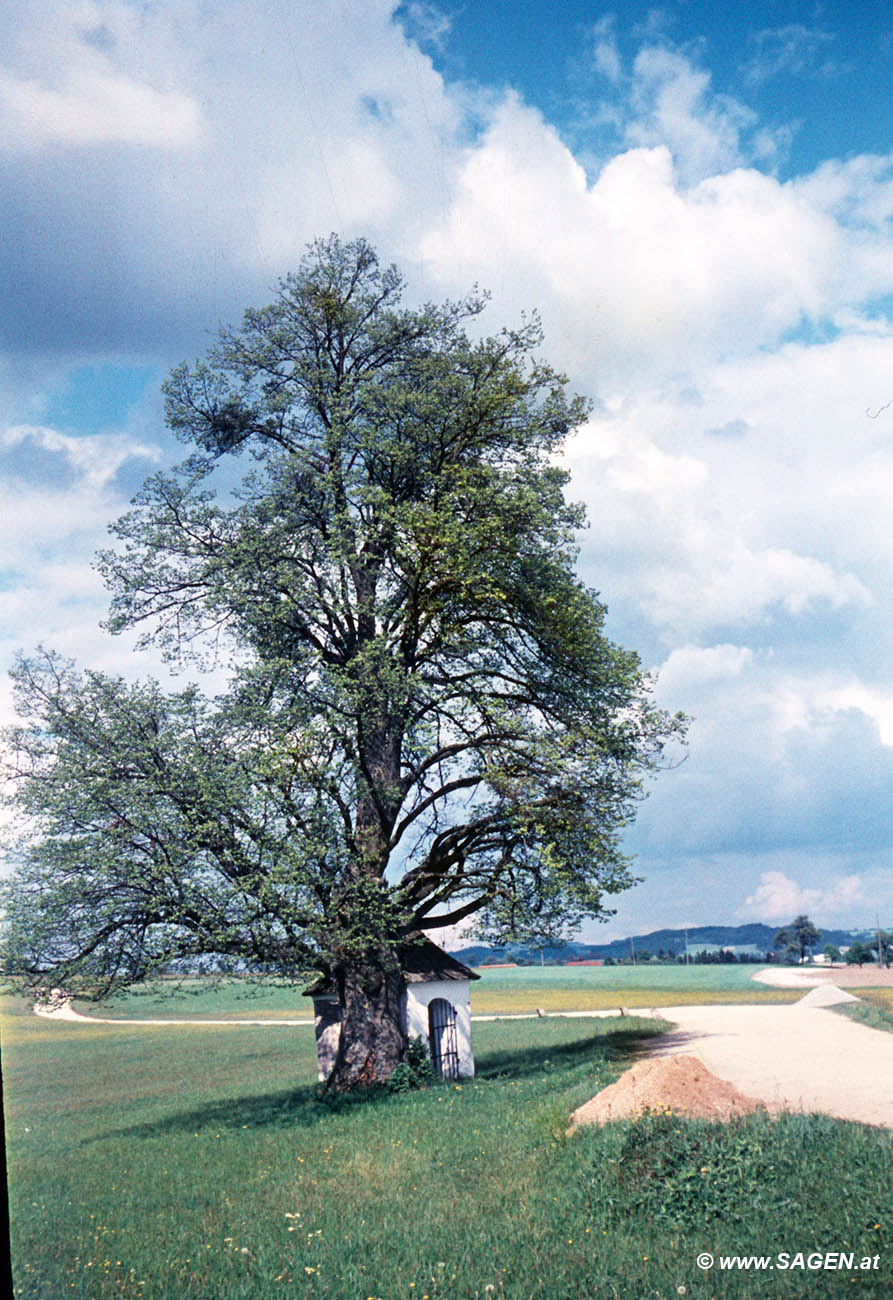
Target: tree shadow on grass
303, 1107
293, 1107
617, 1044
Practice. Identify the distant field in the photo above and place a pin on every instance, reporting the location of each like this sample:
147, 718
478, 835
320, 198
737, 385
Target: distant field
499, 991
197, 1163
203, 998
596, 988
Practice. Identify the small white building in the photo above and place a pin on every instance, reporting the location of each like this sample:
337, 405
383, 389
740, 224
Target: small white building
436, 1009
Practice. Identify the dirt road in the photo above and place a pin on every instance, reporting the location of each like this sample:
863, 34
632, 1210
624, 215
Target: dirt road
845, 977
797, 1057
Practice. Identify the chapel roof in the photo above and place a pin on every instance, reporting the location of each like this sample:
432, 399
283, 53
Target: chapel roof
422, 962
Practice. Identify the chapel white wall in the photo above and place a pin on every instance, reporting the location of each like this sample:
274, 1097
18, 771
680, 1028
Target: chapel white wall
456, 992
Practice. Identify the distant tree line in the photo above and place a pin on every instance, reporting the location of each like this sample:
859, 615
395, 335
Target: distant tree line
704, 957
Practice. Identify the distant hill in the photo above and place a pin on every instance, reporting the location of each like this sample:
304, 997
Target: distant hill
754, 939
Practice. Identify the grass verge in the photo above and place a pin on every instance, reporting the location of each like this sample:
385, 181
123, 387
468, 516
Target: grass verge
198, 1163
874, 1012
879, 997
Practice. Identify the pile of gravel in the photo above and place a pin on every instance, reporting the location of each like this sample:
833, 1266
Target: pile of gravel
680, 1084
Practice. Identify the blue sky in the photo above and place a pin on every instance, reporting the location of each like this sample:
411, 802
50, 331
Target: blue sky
698, 199
796, 64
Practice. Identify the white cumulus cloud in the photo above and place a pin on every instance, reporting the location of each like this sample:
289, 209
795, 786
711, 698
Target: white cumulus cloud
94, 106
165, 164
779, 898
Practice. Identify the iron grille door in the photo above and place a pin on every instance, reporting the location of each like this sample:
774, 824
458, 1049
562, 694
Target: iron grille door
442, 1037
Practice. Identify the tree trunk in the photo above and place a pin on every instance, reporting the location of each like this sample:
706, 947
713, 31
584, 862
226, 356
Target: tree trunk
373, 1035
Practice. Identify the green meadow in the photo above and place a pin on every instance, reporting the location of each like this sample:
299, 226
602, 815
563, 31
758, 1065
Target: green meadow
206, 998
198, 1161
590, 988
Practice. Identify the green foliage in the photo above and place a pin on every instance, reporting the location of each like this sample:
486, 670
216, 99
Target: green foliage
798, 939
715, 957
416, 1071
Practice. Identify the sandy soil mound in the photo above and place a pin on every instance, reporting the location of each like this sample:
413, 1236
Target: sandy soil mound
681, 1084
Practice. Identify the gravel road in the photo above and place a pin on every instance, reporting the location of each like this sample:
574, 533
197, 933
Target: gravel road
803, 1058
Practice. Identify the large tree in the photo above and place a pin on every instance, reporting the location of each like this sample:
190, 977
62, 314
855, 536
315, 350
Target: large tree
799, 938
425, 722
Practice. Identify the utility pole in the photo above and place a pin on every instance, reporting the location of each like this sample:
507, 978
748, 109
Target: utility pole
877, 926
632, 948
687, 958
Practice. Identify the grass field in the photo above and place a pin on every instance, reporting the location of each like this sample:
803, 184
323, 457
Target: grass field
198, 1162
501, 990
203, 998
584, 988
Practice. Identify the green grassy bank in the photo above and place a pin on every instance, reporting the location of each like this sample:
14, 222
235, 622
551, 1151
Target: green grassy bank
874, 1008
197, 1162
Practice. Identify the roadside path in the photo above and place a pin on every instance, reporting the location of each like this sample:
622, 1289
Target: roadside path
63, 1010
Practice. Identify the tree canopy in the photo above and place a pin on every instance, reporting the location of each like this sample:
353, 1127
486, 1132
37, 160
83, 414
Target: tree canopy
858, 952
425, 720
799, 938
